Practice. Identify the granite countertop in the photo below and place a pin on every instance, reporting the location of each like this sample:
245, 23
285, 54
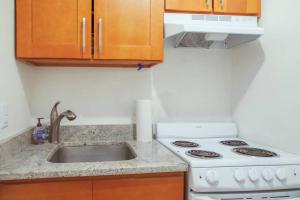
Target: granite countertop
31, 162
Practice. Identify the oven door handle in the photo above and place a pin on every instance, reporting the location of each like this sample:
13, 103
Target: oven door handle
209, 198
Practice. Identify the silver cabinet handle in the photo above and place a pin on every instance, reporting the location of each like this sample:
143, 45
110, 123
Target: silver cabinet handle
100, 36
83, 35
208, 3
222, 2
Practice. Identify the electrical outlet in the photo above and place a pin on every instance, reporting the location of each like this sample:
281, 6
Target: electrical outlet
3, 116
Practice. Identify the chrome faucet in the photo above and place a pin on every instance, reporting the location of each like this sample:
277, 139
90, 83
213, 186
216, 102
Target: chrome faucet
55, 120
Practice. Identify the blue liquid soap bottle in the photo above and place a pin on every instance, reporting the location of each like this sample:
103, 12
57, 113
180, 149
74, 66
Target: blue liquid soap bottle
40, 133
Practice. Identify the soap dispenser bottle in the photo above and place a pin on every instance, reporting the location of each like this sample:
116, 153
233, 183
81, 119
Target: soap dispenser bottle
39, 134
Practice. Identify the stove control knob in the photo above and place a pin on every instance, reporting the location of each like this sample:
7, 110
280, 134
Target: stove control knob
253, 175
212, 177
240, 176
267, 175
281, 174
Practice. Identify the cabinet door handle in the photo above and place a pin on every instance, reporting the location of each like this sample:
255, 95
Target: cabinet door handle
222, 2
83, 35
100, 36
208, 3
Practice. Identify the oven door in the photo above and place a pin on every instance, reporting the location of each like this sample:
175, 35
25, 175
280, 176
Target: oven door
210, 198
274, 195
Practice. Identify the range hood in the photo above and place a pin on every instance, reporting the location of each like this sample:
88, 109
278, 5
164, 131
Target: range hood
209, 31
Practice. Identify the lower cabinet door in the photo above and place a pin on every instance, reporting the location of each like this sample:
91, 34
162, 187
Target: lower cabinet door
152, 188
66, 190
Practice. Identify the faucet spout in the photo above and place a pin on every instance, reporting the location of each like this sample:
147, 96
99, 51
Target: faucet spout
55, 120
69, 115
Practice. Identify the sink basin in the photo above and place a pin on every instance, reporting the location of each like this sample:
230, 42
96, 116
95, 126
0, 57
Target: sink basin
97, 153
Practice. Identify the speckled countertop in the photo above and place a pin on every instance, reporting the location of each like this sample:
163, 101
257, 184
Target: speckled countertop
32, 162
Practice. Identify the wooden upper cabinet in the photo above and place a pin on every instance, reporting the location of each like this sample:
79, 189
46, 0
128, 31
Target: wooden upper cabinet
53, 28
128, 29
234, 7
60, 32
189, 5
239, 7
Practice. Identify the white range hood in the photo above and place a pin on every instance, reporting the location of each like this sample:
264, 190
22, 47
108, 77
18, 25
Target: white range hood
209, 31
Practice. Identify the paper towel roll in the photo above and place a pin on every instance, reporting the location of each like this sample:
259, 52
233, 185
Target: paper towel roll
144, 120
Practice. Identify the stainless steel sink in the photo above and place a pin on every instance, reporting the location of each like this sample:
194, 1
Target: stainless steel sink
97, 153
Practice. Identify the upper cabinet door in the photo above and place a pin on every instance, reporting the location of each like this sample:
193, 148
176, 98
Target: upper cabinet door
128, 29
240, 7
189, 5
53, 28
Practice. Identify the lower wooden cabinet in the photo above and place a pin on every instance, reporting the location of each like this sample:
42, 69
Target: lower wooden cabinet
66, 190
167, 186
151, 188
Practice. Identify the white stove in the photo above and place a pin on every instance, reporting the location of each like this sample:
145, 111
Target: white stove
225, 167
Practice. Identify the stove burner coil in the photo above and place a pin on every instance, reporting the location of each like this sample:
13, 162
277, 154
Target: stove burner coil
234, 143
185, 144
203, 154
254, 152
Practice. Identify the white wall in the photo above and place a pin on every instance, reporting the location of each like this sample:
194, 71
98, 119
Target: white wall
190, 85
193, 85
266, 83
12, 75
96, 95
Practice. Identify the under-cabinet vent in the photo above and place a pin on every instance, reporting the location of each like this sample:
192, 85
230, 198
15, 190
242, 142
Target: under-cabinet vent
198, 17
216, 18
209, 31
